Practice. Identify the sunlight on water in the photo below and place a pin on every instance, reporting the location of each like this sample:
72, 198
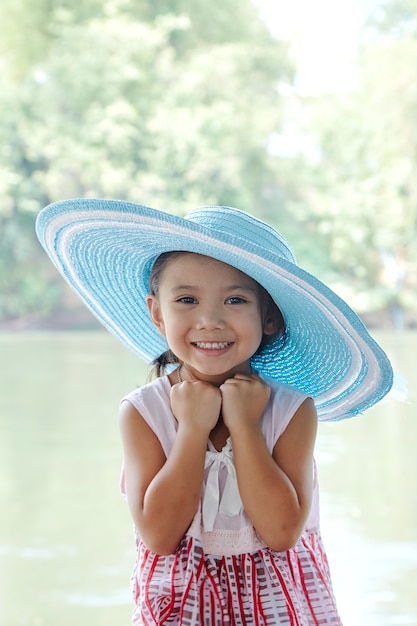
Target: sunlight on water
66, 542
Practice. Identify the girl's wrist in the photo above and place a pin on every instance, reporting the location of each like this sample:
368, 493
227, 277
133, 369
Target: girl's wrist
193, 429
240, 429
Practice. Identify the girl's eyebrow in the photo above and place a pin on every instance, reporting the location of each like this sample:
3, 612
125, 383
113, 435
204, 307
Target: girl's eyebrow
237, 287
183, 288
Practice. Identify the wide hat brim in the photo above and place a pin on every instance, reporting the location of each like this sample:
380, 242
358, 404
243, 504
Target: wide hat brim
105, 250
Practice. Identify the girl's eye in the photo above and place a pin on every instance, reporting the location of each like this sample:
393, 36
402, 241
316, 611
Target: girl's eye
235, 300
187, 300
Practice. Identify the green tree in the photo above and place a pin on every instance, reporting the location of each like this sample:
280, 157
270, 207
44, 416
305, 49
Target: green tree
392, 18
362, 189
165, 103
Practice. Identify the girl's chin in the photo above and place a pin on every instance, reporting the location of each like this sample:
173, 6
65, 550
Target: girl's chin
217, 375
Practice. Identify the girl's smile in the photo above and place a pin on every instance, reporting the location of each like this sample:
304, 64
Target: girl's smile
210, 314
213, 347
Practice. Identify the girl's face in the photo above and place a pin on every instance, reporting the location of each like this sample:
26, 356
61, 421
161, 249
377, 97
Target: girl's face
210, 314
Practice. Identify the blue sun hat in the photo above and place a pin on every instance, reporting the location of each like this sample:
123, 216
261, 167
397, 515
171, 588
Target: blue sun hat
105, 250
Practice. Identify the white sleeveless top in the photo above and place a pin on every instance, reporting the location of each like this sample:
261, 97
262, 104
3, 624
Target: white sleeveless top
221, 523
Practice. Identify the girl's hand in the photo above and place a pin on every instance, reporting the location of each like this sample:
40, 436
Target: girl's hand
196, 404
244, 399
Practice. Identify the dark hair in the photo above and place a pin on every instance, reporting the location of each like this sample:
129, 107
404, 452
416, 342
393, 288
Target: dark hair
166, 358
269, 311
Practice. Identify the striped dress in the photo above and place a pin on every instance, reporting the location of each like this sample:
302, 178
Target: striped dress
222, 573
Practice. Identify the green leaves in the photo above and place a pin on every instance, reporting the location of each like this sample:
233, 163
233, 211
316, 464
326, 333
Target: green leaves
166, 103
179, 103
363, 190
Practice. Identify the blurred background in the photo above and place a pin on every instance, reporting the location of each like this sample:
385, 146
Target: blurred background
304, 115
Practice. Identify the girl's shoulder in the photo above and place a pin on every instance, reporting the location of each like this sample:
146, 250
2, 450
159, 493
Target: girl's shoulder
282, 391
284, 403
153, 404
158, 388
152, 400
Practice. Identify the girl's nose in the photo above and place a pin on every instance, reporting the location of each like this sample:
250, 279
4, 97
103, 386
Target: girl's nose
209, 318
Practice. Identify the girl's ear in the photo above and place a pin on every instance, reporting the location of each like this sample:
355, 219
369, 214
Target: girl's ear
155, 313
270, 325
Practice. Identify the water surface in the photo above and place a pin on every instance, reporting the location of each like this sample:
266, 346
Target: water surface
66, 545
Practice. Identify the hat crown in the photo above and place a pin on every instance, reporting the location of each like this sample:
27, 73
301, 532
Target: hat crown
235, 224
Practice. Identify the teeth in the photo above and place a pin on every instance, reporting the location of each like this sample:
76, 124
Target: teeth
212, 345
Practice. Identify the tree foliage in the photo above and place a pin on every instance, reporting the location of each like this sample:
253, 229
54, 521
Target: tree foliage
362, 191
166, 103
178, 103
393, 18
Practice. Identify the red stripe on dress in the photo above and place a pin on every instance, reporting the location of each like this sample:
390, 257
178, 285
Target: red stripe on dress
255, 600
215, 592
305, 589
326, 581
189, 586
154, 561
292, 614
166, 612
318, 568
229, 592
204, 590
238, 589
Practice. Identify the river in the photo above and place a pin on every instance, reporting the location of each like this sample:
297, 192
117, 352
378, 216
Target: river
66, 542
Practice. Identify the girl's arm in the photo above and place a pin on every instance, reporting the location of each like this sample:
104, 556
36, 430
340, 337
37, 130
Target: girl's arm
164, 493
276, 490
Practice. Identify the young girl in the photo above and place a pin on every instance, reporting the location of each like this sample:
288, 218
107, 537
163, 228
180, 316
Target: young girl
218, 450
